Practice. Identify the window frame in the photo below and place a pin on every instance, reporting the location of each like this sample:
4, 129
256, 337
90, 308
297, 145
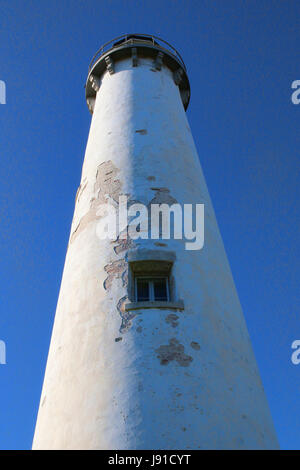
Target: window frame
151, 280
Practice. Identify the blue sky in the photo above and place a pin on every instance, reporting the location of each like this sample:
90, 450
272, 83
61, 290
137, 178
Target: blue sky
242, 57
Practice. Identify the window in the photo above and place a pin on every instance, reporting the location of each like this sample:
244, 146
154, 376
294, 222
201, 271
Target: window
151, 282
152, 289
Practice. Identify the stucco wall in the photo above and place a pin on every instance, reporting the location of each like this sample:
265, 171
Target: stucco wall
176, 379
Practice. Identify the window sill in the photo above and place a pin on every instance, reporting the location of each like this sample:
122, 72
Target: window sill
178, 305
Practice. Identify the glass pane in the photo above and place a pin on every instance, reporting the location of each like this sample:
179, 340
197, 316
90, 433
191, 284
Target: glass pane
142, 290
160, 289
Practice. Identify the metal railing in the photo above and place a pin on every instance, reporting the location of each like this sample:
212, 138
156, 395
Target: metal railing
131, 39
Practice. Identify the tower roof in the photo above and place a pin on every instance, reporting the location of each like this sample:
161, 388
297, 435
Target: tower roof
141, 45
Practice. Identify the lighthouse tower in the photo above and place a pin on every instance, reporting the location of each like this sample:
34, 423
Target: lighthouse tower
149, 348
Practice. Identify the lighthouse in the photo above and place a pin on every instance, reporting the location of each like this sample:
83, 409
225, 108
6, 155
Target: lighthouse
149, 348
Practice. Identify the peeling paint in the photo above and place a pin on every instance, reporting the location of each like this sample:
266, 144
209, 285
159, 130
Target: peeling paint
174, 351
116, 270
172, 319
84, 221
141, 131
125, 316
123, 244
195, 345
80, 190
106, 185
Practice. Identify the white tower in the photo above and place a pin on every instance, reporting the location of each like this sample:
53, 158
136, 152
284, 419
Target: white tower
149, 348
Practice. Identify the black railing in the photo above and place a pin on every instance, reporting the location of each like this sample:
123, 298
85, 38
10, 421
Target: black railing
136, 38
